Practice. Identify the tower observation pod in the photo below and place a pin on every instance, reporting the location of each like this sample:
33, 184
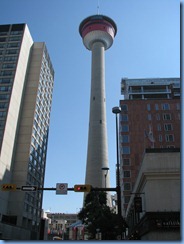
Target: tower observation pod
97, 32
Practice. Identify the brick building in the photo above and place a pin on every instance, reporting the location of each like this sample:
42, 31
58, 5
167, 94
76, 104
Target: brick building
150, 118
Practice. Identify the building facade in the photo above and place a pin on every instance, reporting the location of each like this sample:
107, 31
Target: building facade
156, 216
150, 118
26, 86
59, 224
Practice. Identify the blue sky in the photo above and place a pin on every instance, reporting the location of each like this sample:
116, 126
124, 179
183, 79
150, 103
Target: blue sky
147, 45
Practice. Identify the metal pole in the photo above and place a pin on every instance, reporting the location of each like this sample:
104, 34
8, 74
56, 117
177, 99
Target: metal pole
118, 171
105, 180
116, 111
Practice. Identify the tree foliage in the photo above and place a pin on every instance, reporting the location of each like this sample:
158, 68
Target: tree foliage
97, 216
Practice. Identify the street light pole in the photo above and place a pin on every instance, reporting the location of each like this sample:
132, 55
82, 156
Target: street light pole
116, 111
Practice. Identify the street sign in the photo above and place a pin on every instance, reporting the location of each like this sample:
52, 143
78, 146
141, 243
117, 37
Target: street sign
61, 188
8, 187
29, 188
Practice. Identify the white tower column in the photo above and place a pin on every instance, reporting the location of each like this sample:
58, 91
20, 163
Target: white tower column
97, 32
97, 155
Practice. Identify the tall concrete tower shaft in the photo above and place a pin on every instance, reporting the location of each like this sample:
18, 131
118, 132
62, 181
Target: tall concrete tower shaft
97, 32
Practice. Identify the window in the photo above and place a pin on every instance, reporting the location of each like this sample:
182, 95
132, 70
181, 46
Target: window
2, 39
14, 44
178, 106
2, 45
168, 127
5, 80
165, 106
156, 107
9, 66
169, 138
5, 88
149, 116
124, 107
148, 107
16, 32
4, 97
2, 123
127, 186
125, 139
124, 128
3, 33
126, 174
158, 116
159, 127
126, 161
15, 38
171, 146
10, 58
160, 138
126, 150
166, 116
12, 51
3, 105
6, 73
124, 117
2, 114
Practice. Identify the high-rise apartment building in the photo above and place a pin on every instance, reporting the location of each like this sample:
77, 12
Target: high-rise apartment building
26, 86
150, 118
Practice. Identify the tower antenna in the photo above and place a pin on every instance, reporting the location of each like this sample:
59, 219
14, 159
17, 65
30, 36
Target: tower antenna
98, 8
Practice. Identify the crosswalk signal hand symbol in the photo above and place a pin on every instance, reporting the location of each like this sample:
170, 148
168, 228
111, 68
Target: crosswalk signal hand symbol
8, 187
82, 188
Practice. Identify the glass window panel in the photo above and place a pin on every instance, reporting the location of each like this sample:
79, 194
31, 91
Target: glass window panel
166, 116
165, 106
168, 127
148, 107
125, 150
126, 161
126, 174
124, 128
124, 107
127, 186
125, 138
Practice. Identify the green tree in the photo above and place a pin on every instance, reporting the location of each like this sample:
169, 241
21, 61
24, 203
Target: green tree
96, 215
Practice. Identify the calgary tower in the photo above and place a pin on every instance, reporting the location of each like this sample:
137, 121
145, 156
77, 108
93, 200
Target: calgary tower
97, 32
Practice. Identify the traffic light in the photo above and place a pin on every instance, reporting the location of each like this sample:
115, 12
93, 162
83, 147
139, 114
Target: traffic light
138, 204
82, 188
8, 187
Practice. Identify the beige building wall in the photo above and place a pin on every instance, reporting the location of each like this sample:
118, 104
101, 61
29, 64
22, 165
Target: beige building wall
8, 143
21, 159
159, 185
159, 180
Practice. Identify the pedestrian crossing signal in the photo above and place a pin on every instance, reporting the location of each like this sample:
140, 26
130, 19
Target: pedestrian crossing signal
82, 188
8, 187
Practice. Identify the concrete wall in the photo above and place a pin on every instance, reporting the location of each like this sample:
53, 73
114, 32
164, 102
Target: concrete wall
16, 233
21, 159
159, 186
159, 180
